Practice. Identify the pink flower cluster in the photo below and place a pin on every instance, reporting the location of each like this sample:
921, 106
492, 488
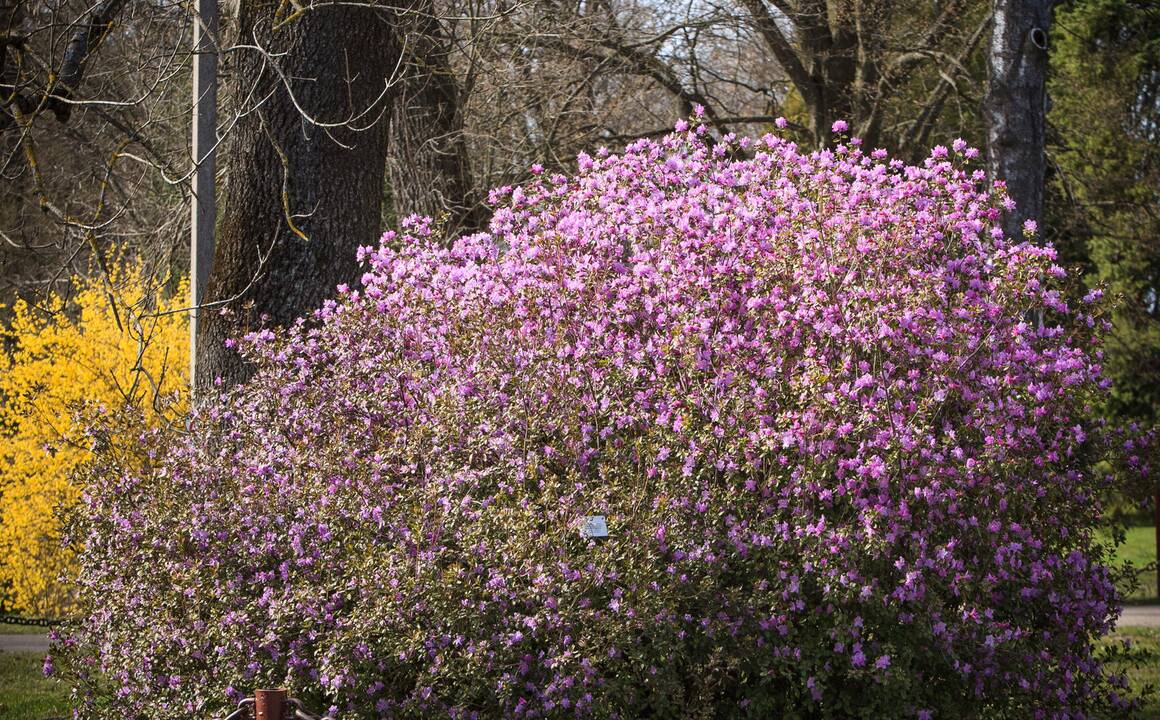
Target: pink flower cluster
845, 470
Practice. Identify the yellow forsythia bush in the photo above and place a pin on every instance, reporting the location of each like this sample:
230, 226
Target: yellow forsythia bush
61, 356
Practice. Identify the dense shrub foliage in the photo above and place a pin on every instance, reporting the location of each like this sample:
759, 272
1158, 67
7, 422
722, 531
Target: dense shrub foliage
57, 357
844, 473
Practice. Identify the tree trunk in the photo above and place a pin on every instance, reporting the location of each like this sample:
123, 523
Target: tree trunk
12, 32
1016, 105
300, 196
427, 161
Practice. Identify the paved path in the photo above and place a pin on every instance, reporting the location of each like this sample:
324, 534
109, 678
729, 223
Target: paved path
27, 642
1140, 616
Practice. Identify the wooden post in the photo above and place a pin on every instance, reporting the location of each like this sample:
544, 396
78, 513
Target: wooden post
204, 205
270, 704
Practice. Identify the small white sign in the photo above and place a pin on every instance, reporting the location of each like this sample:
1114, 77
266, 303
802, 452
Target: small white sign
594, 527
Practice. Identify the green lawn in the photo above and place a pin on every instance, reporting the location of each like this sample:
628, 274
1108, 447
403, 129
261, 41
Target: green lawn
1146, 670
1139, 548
25, 694
6, 629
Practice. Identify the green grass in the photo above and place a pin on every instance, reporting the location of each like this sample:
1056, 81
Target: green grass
1139, 548
7, 629
1145, 670
25, 694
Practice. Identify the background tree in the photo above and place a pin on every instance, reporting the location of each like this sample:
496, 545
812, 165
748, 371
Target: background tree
542, 80
852, 60
1105, 116
482, 91
307, 163
428, 166
1016, 105
93, 108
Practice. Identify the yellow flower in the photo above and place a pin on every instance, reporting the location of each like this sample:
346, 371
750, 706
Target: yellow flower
108, 343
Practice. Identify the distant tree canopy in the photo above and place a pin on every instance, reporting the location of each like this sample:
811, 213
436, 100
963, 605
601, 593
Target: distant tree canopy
1106, 212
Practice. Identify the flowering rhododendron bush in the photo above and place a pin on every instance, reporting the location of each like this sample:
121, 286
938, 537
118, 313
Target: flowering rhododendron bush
843, 474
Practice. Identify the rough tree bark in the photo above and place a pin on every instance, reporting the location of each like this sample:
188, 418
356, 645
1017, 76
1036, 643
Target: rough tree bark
300, 196
1016, 105
12, 36
427, 160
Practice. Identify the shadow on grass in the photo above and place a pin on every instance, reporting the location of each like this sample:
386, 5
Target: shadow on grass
25, 694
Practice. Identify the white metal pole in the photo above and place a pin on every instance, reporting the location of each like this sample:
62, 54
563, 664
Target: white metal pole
204, 206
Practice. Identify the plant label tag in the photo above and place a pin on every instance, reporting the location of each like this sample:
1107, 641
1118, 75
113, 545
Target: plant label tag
594, 527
